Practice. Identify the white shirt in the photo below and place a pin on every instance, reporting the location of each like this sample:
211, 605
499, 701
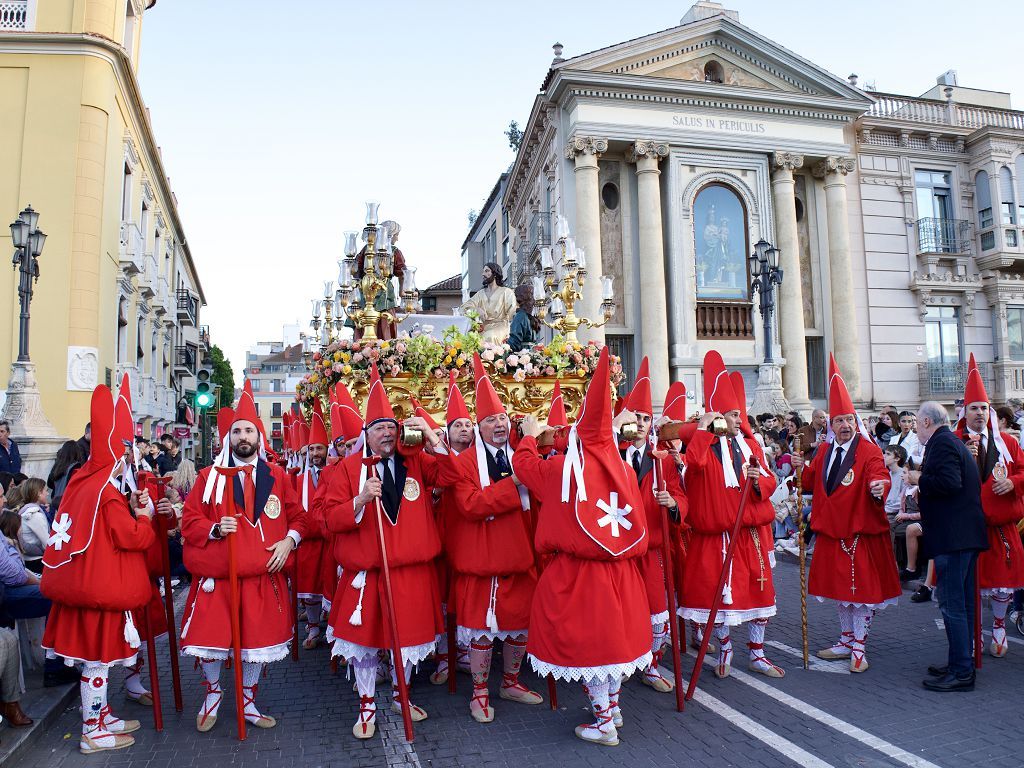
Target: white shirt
493, 450
633, 451
252, 461
845, 447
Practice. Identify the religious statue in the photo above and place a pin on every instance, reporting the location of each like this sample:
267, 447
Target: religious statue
385, 300
525, 325
494, 304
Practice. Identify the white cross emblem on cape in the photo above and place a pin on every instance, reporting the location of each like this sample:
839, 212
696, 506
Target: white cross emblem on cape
60, 535
614, 516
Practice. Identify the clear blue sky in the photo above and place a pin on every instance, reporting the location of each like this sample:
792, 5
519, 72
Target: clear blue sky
278, 119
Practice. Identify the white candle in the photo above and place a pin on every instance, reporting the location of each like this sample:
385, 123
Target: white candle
607, 288
581, 258
538, 288
545, 258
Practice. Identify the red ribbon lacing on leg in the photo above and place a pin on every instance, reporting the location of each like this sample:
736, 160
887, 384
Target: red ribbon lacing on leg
211, 689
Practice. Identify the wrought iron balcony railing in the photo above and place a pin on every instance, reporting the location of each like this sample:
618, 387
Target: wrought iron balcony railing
943, 236
946, 380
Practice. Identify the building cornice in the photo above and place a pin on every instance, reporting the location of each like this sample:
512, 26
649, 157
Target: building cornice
101, 47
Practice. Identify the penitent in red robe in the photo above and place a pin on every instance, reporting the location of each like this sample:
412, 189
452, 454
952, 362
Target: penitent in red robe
711, 515
412, 546
491, 554
853, 557
267, 621
1001, 566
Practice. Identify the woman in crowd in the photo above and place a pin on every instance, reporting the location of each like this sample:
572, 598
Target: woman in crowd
35, 524
1007, 422
884, 429
69, 458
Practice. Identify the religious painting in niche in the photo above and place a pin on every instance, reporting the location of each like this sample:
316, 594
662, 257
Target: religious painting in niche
720, 235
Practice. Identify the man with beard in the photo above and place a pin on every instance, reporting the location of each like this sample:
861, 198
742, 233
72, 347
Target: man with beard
396, 485
311, 555
853, 560
269, 525
650, 473
494, 304
491, 553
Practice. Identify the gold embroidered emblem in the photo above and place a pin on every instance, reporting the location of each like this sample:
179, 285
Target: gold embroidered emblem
999, 471
272, 509
848, 480
412, 489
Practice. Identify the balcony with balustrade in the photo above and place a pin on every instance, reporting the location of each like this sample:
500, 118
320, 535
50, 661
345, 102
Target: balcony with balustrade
132, 255
945, 381
187, 307
17, 15
538, 233
725, 320
935, 112
149, 277
185, 360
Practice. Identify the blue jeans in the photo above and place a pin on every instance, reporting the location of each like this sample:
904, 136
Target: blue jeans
957, 593
26, 602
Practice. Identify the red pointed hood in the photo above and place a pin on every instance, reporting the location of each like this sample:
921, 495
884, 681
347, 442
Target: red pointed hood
318, 427
839, 401
124, 420
456, 406
556, 414
420, 411
719, 395
675, 402
378, 406
246, 408
351, 419
487, 401
639, 400
594, 425
301, 435
225, 418
740, 390
974, 390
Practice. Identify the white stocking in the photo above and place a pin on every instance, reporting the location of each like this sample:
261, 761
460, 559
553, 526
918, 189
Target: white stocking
93, 688
597, 691
861, 625
313, 617
133, 680
724, 646
999, 604
366, 676
250, 679
614, 686
214, 695
394, 678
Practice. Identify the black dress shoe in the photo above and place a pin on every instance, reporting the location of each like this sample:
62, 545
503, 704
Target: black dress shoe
907, 575
950, 683
935, 671
922, 595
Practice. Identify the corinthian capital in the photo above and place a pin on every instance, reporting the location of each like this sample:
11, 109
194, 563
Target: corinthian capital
585, 145
787, 161
654, 150
834, 164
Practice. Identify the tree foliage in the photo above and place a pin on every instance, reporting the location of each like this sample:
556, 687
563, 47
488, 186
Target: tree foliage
514, 136
223, 376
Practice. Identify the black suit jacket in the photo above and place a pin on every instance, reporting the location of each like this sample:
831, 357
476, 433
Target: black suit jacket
950, 497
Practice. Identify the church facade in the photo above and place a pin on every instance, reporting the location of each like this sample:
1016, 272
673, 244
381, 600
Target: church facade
898, 220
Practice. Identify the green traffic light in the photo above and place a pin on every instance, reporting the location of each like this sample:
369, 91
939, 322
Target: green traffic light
204, 399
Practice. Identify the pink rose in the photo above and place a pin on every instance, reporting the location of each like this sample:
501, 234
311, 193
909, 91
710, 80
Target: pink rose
513, 360
488, 356
519, 375
395, 370
549, 371
500, 364
401, 348
357, 357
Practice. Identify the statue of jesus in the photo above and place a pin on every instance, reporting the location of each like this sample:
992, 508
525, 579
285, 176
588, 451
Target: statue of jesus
495, 304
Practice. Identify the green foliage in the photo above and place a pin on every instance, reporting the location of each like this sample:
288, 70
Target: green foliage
223, 376
423, 354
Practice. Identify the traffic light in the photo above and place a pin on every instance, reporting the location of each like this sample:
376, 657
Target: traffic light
204, 388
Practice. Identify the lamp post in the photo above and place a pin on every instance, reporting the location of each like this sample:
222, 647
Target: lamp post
28, 245
764, 268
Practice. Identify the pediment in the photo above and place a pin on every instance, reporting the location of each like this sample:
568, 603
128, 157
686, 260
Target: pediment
747, 60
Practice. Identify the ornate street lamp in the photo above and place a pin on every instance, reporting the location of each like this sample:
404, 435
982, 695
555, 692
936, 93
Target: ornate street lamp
764, 268
28, 245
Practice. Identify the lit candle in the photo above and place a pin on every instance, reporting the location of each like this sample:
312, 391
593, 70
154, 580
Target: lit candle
538, 288
371, 213
607, 288
545, 258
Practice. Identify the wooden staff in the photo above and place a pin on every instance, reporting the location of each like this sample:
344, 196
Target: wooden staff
717, 600
387, 598
236, 609
803, 550
154, 677
451, 630
666, 564
172, 626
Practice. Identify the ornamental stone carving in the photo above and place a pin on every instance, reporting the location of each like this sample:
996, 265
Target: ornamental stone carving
643, 148
787, 161
585, 145
834, 164
83, 369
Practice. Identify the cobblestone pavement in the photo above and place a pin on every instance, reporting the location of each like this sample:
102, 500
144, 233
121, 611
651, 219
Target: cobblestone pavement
820, 717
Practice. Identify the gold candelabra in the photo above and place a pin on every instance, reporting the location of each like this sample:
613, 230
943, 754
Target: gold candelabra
560, 302
357, 296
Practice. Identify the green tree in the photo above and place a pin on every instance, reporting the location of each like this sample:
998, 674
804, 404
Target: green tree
514, 135
223, 376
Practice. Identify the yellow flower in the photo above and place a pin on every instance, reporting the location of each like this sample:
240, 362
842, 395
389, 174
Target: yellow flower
385, 346
452, 352
448, 360
345, 357
458, 344
346, 369
581, 372
314, 378
461, 361
337, 357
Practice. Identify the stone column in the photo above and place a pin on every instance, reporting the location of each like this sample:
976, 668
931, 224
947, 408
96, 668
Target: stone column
845, 338
790, 306
651, 260
585, 151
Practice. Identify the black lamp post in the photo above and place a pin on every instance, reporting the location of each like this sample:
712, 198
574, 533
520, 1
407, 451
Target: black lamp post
28, 244
764, 267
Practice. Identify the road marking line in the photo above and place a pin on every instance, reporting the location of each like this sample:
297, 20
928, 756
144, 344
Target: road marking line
397, 751
848, 729
783, 746
839, 667
984, 632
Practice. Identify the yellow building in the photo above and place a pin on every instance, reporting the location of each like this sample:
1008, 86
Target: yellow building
118, 291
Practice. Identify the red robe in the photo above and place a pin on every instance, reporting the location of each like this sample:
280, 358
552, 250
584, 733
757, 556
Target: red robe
412, 545
328, 565
590, 608
1001, 566
266, 608
156, 613
651, 565
489, 546
314, 548
117, 567
851, 514
711, 515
